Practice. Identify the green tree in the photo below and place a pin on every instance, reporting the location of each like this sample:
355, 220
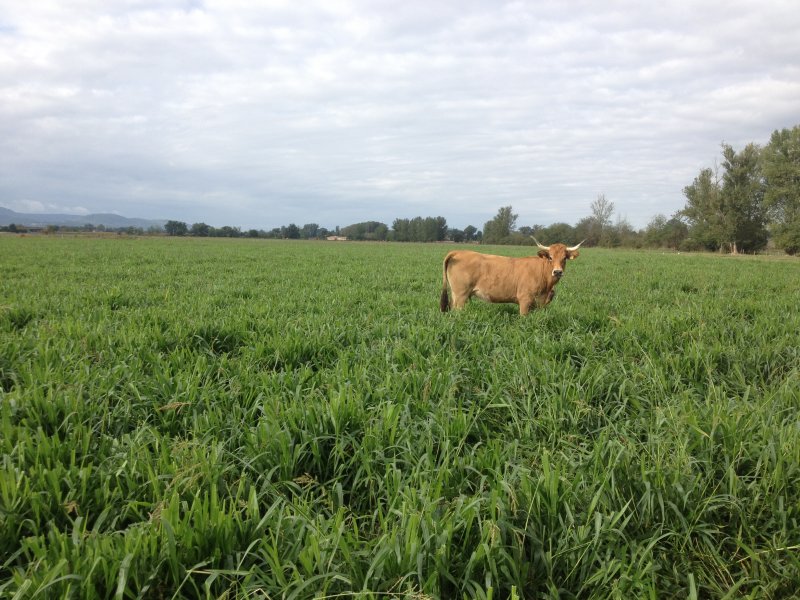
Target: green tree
586, 229
744, 213
228, 231
309, 231
780, 161
654, 232
368, 230
704, 210
728, 213
470, 233
665, 233
558, 233
434, 229
401, 230
200, 230
176, 228
623, 234
291, 232
455, 235
498, 229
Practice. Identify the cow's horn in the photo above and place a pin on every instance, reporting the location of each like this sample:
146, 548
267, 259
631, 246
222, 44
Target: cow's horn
573, 248
540, 246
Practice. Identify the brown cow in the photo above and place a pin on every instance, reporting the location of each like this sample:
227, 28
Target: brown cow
527, 281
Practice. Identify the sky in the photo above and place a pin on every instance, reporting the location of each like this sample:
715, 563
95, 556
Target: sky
258, 114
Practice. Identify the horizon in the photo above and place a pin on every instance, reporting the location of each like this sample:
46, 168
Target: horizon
479, 226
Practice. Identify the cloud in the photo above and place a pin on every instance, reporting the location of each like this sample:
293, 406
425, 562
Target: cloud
258, 114
36, 207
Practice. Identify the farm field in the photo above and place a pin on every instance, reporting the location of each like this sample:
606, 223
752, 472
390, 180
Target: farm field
273, 419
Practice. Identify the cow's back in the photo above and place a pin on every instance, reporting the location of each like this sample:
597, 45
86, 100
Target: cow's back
487, 276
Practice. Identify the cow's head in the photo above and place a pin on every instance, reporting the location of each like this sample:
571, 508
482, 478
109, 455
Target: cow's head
558, 254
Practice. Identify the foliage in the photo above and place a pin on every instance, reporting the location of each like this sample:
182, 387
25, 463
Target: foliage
558, 233
291, 232
176, 228
471, 233
500, 228
429, 229
200, 230
369, 230
665, 233
781, 170
742, 194
704, 209
193, 418
728, 212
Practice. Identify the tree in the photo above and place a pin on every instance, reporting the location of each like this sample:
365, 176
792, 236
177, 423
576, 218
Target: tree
435, 229
401, 230
228, 231
675, 233
176, 228
622, 233
602, 209
780, 161
200, 230
703, 209
291, 232
654, 232
368, 230
429, 229
588, 230
557, 233
665, 233
500, 227
469, 233
742, 196
728, 212
309, 231
455, 235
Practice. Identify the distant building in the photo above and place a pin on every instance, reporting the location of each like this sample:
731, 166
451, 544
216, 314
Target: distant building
336, 238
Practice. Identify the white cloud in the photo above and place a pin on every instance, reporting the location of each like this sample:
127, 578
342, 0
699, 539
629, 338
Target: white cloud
258, 114
37, 207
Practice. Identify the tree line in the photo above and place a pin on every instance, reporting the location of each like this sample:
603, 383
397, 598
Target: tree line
750, 197
418, 229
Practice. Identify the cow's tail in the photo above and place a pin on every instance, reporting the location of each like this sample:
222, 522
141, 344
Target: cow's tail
444, 301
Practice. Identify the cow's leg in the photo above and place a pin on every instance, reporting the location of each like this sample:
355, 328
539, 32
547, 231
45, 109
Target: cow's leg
526, 305
459, 300
547, 298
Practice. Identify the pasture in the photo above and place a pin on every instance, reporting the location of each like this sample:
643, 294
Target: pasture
255, 419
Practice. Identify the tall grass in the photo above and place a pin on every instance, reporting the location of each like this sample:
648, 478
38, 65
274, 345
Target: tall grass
236, 418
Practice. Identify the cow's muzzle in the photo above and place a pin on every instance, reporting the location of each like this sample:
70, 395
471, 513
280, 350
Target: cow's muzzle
557, 273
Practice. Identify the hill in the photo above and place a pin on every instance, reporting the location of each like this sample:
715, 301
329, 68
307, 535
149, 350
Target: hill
8, 216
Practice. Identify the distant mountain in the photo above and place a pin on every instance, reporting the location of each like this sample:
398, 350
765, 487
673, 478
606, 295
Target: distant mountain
7, 217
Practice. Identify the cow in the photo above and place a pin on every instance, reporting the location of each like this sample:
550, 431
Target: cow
526, 281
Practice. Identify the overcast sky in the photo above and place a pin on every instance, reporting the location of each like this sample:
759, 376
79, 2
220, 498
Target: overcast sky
260, 114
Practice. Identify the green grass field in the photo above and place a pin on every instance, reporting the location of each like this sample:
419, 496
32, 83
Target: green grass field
252, 419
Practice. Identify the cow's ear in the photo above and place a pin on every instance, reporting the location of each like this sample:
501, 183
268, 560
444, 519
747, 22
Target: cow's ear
544, 254
573, 255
